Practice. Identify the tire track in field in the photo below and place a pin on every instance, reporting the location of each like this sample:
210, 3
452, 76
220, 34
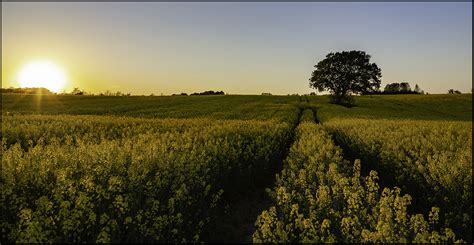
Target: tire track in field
237, 223
386, 176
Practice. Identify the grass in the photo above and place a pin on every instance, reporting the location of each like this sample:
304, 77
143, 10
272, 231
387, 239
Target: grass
215, 107
418, 107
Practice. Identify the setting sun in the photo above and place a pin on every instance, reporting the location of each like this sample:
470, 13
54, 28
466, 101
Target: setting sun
42, 74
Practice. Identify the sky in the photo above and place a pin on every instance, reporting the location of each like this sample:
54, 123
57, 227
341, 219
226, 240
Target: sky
240, 48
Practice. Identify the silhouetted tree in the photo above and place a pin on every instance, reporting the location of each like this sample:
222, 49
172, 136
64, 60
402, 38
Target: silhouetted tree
452, 91
77, 91
400, 88
210, 92
345, 73
181, 94
42, 91
417, 89
392, 88
405, 87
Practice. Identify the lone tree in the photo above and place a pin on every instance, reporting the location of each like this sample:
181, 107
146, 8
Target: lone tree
345, 73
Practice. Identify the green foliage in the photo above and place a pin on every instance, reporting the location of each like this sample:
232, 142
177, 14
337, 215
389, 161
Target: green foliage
317, 199
431, 159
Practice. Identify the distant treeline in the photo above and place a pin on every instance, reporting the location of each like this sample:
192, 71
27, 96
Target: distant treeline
78, 91
452, 91
398, 88
210, 92
75, 91
27, 90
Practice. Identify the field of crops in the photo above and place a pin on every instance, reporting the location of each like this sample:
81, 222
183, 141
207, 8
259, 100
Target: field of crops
165, 169
319, 199
431, 160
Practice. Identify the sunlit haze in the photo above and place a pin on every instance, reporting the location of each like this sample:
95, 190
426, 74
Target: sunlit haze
240, 48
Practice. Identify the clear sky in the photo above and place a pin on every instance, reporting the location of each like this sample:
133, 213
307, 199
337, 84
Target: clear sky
241, 48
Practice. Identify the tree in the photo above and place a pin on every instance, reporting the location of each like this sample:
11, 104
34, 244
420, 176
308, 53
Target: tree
77, 91
452, 91
417, 89
345, 73
392, 88
401, 88
405, 87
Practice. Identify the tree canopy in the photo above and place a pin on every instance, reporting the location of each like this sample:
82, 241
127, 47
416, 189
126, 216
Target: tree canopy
400, 88
345, 73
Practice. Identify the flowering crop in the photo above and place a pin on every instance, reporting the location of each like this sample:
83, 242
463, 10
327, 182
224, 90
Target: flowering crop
113, 179
430, 159
318, 199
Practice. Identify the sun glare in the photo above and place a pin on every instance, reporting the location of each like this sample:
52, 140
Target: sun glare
42, 74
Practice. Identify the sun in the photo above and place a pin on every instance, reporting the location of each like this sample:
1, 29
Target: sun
43, 74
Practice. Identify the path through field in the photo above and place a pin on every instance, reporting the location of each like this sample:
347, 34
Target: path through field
237, 224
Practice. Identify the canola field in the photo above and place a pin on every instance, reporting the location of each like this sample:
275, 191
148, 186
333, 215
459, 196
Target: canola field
164, 169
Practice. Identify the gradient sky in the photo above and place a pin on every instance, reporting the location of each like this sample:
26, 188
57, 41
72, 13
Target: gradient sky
241, 48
